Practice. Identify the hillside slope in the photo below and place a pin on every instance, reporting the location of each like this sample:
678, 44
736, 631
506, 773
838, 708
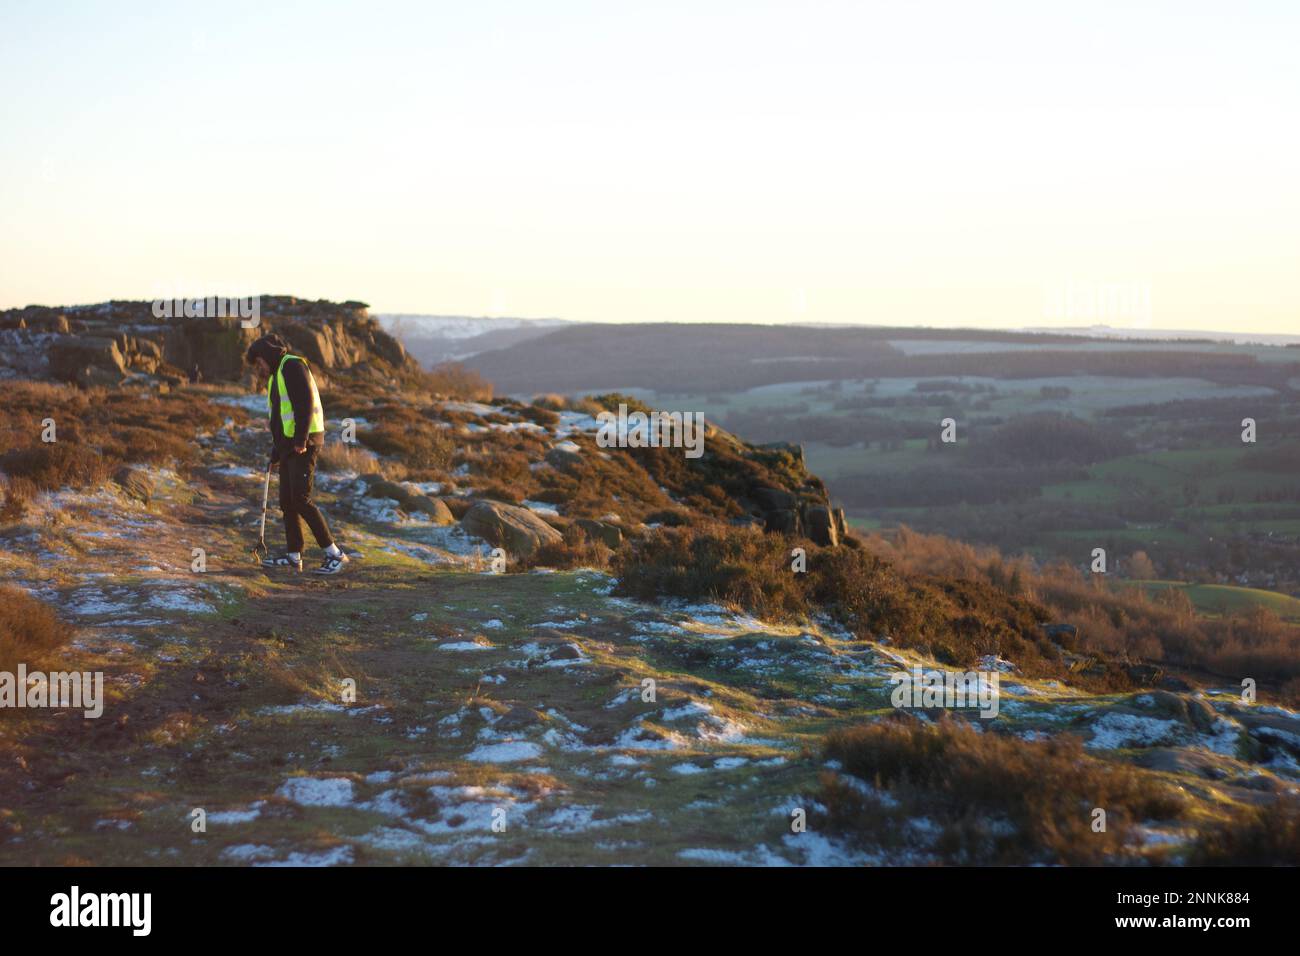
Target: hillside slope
646, 678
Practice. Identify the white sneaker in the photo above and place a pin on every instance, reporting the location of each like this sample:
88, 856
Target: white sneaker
332, 564
282, 561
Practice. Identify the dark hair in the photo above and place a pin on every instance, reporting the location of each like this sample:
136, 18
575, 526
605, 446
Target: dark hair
269, 348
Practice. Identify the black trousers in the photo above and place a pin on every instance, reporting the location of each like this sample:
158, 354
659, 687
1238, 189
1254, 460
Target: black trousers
297, 472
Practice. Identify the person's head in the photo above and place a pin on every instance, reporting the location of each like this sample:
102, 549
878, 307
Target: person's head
264, 355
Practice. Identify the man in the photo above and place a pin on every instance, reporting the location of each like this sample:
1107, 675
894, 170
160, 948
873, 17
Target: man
297, 434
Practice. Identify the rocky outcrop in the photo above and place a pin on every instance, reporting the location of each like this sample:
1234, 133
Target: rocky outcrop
610, 534
87, 361
516, 529
805, 513
215, 347
109, 343
821, 524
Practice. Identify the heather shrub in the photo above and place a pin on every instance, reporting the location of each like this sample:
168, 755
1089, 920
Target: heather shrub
30, 631
957, 622
97, 431
1267, 836
418, 445
454, 380
577, 550
994, 799
1118, 621
17, 496
58, 465
715, 562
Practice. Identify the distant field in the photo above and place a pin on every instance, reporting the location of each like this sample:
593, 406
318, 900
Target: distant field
1088, 397
1192, 496
1226, 599
1163, 475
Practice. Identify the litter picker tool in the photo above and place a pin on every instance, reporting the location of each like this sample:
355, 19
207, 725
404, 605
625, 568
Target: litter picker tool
259, 550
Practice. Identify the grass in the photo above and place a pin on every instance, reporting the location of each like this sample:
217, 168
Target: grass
97, 431
30, 630
338, 457
993, 799
1125, 623
955, 620
454, 380
1226, 600
423, 450
1268, 836
577, 550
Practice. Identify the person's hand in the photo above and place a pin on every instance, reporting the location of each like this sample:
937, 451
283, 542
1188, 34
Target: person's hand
300, 449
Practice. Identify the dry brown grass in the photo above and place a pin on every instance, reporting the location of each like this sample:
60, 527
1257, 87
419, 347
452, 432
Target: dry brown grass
955, 621
1268, 836
995, 799
567, 403
18, 494
424, 449
714, 562
495, 491
577, 550
58, 465
30, 630
1117, 621
337, 457
454, 380
98, 430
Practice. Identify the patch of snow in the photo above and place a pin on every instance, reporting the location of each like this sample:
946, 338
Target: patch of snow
338, 856
729, 763
693, 708
505, 752
1116, 730
237, 816
317, 791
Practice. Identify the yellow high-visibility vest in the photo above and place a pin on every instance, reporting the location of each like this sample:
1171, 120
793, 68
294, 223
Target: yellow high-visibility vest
317, 423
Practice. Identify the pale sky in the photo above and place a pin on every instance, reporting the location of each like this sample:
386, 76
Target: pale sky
914, 163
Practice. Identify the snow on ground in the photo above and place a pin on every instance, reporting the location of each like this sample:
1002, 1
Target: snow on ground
317, 791
505, 753
254, 403
464, 646
1116, 730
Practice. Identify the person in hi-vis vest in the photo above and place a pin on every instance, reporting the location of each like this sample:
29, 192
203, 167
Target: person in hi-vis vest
297, 434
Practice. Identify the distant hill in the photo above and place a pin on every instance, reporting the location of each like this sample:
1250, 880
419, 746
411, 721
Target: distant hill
433, 339
728, 357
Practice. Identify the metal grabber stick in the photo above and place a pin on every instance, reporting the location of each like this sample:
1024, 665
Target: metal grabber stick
259, 551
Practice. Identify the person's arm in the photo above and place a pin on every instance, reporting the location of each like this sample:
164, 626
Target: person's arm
277, 430
298, 386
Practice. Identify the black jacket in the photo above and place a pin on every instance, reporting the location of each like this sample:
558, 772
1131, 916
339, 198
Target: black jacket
297, 385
